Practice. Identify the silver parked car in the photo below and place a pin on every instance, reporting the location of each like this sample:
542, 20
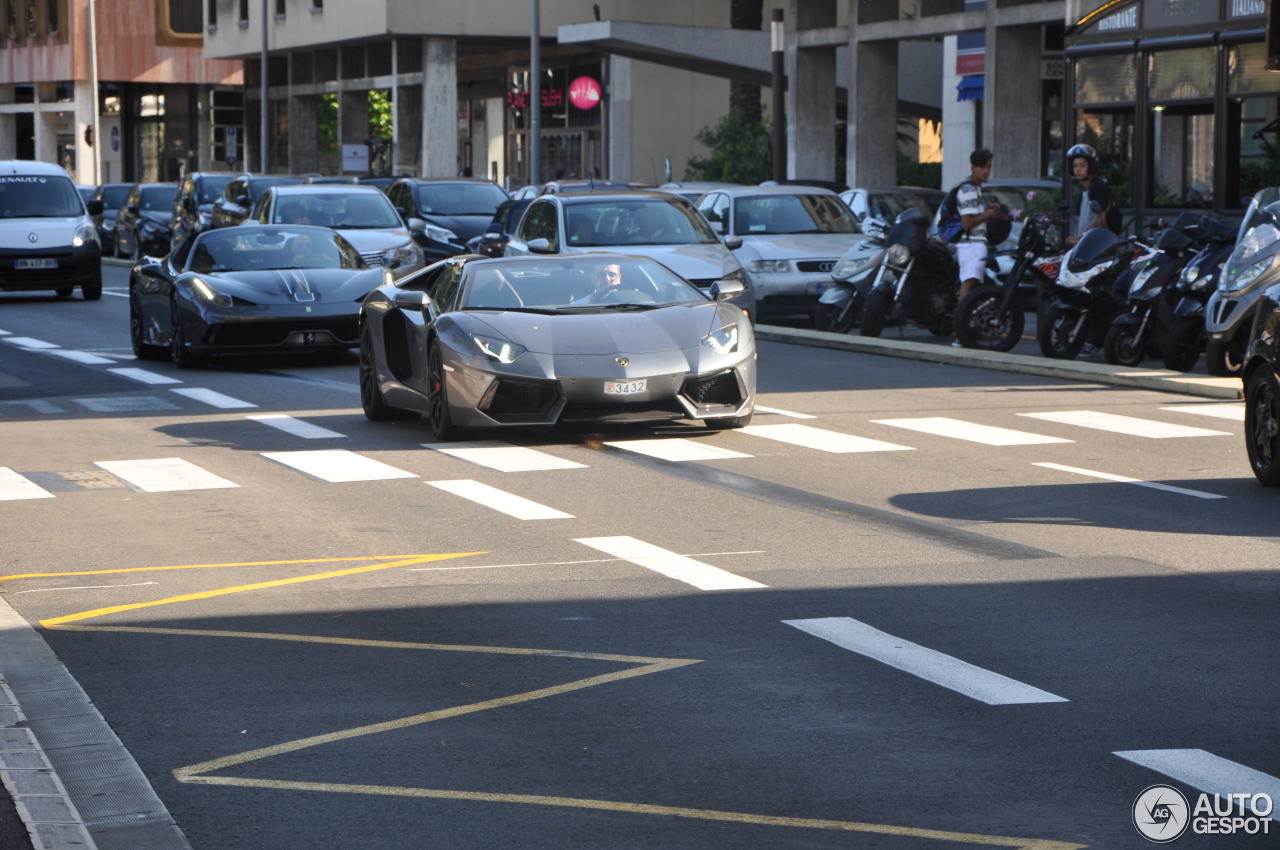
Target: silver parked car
791, 238
361, 214
651, 224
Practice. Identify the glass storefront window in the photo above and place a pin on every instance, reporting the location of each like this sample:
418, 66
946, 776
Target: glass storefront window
1247, 70
1106, 79
1110, 132
1181, 74
1256, 142
1181, 156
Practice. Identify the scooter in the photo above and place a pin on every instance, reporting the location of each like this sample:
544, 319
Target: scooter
991, 317
1084, 297
1248, 272
1144, 324
916, 279
1199, 278
840, 305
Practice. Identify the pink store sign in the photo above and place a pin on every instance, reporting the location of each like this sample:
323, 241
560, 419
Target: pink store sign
584, 93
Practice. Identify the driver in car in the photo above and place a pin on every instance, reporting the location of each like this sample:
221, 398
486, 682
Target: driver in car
606, 279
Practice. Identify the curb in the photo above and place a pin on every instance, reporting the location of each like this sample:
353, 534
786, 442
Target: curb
1161, 380
73, 782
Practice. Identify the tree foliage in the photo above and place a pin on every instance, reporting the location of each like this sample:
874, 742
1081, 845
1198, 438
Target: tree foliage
739, 151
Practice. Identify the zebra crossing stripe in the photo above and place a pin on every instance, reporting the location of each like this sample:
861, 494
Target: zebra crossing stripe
338, 465
958, 429
1121, 479
210, 397
143, 376
296, 427
499, 500
1233, 412
83, 357
673, 566
1130, 425
675, 449
1211, 774
31, 344
164, 475
503, 456
821, 439
14, 486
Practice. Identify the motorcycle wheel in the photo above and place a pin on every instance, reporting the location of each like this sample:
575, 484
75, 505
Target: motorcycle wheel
874, 312
1262, 425
1182, 348
827, 318
981, 323
1221, 361
1054, 335
1123, 346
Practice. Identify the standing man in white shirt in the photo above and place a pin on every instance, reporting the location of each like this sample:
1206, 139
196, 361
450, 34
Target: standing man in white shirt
975, 212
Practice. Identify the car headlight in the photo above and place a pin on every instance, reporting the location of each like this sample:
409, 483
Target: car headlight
408, 254
440, 234
499, 349
770, 266
1234, 282
209, 294
85, 234
723, 341
898, 254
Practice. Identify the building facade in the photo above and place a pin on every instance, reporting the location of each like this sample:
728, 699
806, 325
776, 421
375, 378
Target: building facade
156, 95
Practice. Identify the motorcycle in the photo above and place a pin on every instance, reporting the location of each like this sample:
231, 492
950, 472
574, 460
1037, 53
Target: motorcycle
1199, 278
1147, 316
1084, 297
916, 279
991, 317
1248, 272
840, 305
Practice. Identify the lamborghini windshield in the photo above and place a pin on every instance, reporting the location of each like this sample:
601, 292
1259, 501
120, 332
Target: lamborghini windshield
240, 249
581, 284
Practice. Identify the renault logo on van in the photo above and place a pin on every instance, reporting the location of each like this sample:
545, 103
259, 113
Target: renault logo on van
33, 238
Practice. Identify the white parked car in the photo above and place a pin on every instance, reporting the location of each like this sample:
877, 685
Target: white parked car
791, 237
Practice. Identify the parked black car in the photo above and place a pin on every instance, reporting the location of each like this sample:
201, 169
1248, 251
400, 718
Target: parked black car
113, 197
494, 240
142, 225
443, 214
193, 206
240, 196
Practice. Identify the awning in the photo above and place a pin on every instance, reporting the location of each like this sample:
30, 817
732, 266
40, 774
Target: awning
970, 88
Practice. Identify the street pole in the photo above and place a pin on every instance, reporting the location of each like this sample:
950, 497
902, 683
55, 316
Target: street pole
96, 148
535, 92
778, 45
262, 108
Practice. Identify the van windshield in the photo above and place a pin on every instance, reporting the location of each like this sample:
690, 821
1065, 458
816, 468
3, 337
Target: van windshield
38, 196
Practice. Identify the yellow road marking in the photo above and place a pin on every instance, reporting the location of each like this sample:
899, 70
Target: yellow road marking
211, 566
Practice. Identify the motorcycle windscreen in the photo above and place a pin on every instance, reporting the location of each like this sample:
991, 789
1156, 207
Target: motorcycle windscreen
1093, 247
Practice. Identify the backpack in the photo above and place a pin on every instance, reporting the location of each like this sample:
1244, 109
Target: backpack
950, 224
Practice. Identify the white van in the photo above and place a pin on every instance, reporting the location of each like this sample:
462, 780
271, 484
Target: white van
47, 239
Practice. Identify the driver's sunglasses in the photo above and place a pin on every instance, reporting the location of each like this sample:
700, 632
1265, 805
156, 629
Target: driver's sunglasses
611, 275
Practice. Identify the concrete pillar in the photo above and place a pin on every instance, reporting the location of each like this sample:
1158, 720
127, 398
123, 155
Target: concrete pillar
811, 94
353, 117
495, 166
440, 108
873, 112
408, 141
1011, 107
203, 129
304, 141
8, 126
619, 108
959, 130
86, 104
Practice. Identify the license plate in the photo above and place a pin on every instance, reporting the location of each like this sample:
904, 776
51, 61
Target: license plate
37, 263
625, 387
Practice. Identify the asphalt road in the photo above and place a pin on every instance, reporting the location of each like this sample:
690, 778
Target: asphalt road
913, 606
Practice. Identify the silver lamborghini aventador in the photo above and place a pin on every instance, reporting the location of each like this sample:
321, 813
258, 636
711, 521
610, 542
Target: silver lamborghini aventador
474, 342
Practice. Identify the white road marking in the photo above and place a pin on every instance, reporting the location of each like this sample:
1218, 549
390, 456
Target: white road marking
37, 405
4, 333
821, 439
29, 343
143, 376
780, 412
673, 566
567, 563
164, 475
1154, 485
15, 486
928, 664
124, 404
296, 427
500, 500
338, 465
503, 457
1118, 424
958, 429
675, 449
213, 398
83, 357
1201, 769
88, 587
115, 294
1234, 412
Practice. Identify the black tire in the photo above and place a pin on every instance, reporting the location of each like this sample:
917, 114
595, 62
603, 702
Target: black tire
1221, 360
1262, 425
727, 422
874, 312
375, 407
1182, 347
982, 324
178, 353
438, 397
827, 318
1123, 346
137, 337
1054, 335
92, 291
